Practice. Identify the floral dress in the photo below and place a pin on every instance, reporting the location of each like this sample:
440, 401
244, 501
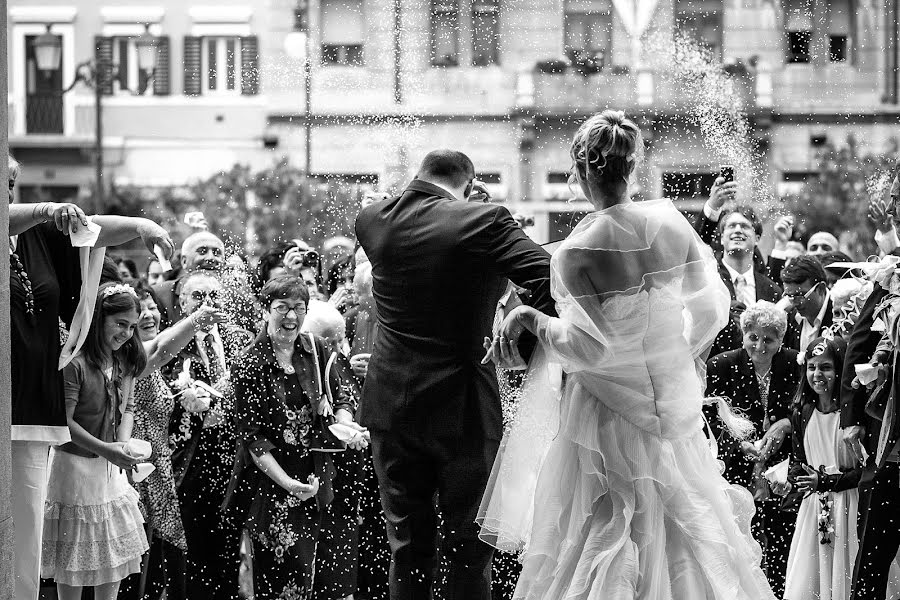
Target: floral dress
153, 408
284, 529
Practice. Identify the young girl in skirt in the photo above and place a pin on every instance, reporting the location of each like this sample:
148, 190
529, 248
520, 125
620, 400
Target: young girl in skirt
93, 529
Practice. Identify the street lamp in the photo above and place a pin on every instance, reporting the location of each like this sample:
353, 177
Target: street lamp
297, 46
96, 73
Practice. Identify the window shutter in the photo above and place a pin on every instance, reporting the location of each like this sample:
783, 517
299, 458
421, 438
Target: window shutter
192, 75
103, 58
249, 65
161, 76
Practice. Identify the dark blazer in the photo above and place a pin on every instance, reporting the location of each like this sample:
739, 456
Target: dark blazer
792, 336
860, 346
731, 374
837, 482
439, 266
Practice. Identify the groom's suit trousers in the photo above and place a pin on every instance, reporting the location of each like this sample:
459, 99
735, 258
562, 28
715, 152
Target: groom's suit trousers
417, 476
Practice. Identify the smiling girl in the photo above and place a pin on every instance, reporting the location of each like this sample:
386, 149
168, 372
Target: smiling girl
824, 473
93, 533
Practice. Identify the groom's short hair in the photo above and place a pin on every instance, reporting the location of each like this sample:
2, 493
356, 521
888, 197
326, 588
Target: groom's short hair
450, 166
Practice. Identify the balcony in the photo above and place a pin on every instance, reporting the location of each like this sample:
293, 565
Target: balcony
573, 94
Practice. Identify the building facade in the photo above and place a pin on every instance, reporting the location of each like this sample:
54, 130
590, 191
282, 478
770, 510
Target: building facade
387, 80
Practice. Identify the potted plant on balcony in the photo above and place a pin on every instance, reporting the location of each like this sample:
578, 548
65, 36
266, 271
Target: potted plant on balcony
586, 62
552, 66
446, 60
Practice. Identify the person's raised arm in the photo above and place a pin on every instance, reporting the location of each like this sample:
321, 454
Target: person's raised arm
119, 230
166, 346
66, 216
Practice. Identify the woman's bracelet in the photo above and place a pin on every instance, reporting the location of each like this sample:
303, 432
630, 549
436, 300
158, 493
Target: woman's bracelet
41, 211
193, 319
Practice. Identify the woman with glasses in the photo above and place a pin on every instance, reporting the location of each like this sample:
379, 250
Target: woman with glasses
281, 486
760, 380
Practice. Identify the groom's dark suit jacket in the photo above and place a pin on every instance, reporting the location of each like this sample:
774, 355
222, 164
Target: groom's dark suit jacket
439, 266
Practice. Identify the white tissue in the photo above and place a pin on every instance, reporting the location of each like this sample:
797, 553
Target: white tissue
777, 473
141, 471
138, 448
347, 434
866, 373
164, 263
85, 236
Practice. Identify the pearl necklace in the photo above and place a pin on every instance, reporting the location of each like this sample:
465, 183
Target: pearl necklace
19, 268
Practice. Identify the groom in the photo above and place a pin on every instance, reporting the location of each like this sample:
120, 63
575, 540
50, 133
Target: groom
439, 265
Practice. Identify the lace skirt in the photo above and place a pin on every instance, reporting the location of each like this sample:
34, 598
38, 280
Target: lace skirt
93, 528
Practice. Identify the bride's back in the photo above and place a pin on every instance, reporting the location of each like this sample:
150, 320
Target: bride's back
643, 291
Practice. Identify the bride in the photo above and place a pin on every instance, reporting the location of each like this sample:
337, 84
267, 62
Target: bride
620, 496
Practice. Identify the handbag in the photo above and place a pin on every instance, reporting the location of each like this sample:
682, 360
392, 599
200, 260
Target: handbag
323, 440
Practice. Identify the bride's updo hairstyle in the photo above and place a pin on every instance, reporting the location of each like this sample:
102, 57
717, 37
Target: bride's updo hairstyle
606, 149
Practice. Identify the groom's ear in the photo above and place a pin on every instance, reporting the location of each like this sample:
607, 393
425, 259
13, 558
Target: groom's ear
468, 190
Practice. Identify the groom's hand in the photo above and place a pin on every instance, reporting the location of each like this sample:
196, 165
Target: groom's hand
504, 354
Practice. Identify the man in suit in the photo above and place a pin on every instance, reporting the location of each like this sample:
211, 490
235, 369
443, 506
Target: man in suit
201, 251
808, 301
203, 444
738, 234
439, 266
879, 497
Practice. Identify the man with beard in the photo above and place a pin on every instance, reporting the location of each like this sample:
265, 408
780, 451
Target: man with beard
203, 442
201, 251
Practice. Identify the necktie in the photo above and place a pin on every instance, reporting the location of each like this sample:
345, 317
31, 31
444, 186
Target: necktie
742, 291
216, 368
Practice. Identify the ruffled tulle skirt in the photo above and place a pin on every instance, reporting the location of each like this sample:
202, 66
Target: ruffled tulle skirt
93, 528
621, 513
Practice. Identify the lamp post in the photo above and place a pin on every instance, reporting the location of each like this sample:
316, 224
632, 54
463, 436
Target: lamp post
96, 73
297, 46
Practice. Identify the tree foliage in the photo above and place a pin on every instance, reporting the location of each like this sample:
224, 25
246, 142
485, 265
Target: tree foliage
837, 198
251, 210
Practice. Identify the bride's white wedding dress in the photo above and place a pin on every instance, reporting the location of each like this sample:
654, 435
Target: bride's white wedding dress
612, 489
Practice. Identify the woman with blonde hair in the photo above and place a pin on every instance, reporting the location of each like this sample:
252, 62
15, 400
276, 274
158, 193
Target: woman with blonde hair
625, 497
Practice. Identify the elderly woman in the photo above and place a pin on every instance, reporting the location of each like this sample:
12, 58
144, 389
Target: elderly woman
338, 557
281, 399
760, 379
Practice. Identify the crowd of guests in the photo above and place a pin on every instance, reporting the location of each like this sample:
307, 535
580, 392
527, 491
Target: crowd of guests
191, 433
807, 326
188, 433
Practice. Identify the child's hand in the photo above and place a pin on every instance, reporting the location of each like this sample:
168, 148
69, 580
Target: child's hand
117, 454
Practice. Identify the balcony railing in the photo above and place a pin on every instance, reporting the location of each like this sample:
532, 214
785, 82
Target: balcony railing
575, 93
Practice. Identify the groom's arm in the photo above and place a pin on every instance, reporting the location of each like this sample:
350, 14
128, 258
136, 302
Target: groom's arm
495, 237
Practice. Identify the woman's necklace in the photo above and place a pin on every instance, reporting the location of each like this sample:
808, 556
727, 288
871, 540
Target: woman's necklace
20, 271
284, 358
763, 382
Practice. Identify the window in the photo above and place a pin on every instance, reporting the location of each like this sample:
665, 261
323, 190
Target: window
799, 26
839, 30
485, 33
793, 182
444, 33
588, 31
701, 22
687, 186
343, 32
221, 65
